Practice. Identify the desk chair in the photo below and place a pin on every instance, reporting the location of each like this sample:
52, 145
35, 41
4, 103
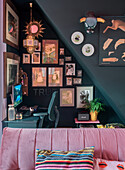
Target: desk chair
51, 113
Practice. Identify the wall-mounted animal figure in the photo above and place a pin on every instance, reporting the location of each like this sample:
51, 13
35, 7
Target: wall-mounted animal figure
90, 22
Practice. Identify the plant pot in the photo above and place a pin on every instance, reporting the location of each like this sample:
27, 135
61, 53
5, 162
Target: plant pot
94, 115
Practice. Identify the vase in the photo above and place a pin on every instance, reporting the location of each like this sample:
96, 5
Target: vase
94, 115
11, 112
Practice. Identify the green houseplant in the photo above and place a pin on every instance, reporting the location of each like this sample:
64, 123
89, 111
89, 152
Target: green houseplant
95, 107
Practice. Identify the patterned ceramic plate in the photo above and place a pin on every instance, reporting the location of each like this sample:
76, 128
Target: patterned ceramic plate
88, 49
77, 37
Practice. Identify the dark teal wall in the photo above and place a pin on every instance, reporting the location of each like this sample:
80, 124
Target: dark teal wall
58, 26
64, 16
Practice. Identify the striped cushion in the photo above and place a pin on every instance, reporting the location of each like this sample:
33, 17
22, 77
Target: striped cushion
82, 159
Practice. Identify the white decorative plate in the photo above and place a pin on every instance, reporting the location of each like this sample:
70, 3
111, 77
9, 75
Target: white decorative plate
77, 37
88, 49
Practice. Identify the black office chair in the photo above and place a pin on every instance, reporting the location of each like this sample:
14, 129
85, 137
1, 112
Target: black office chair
49, 117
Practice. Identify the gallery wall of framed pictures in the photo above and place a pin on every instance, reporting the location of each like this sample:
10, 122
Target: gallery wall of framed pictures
52, 67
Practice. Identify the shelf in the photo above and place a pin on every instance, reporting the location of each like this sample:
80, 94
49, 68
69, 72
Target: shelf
87, 121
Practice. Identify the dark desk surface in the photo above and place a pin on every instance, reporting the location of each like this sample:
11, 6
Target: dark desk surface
27, 122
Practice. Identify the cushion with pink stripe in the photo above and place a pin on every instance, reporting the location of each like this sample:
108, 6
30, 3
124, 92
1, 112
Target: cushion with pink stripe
81, 159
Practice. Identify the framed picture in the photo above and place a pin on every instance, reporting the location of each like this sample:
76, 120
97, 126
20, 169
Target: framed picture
39, 47
68, 81
55, 76
61, 61
26, 58
69, 58
84, 93
77, 80
111, 41
67, 97
79, 73
11, 24
36, 58
11, 71
70, 69
39, 76
50, 52
61, 51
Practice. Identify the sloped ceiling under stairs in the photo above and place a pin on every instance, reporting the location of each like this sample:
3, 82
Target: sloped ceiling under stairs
64, 15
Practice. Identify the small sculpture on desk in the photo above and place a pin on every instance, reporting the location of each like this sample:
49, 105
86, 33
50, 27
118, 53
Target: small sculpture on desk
24, 82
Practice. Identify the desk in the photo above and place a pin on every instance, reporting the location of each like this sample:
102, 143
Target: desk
29, 122
85, 122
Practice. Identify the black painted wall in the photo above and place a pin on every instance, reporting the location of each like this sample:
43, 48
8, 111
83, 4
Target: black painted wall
67, 114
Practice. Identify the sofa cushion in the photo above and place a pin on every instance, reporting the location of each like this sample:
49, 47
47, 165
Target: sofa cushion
80, 159
102, 164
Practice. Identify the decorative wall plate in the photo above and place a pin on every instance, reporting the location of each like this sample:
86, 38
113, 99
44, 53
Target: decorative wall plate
77, 37
88, 49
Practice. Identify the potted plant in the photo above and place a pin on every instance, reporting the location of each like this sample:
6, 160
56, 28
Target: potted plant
95, 107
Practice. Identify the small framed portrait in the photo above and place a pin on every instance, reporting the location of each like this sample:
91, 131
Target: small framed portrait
55, 76
79, 73
68, 81
67, 97
84, 94
70, 69
36, 58
61, 61
77, 80
69, 58
26, 58
61, 51
39, 47
39, 76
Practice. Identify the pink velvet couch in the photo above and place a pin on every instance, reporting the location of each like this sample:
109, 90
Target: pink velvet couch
18, 145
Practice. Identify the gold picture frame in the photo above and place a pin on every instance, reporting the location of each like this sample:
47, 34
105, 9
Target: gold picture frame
36, 58
26, 58
50, 52
67, 97
55, 76
10, 24
39, 76
11, 71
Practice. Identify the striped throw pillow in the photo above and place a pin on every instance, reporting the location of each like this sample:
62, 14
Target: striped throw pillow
81, 159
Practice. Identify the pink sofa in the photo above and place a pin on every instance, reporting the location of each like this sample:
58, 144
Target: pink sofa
18, 145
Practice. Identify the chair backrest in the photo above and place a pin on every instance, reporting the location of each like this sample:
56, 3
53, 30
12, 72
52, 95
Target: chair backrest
53, 103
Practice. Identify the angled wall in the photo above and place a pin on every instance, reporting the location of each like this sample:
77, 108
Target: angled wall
64, 16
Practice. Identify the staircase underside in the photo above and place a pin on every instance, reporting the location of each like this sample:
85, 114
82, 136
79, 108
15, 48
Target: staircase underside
64, 16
